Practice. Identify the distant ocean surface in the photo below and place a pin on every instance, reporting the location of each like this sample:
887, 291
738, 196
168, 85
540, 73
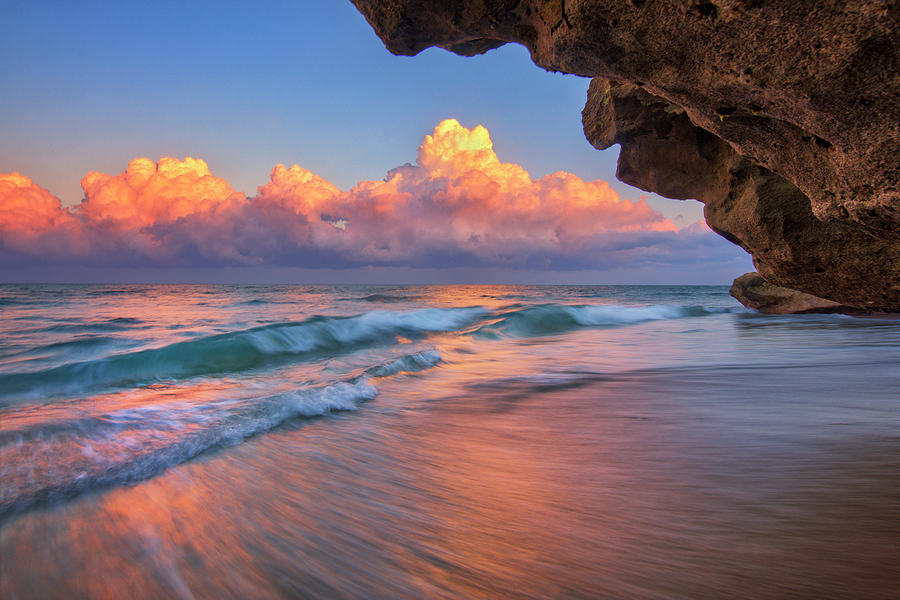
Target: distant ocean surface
194, 441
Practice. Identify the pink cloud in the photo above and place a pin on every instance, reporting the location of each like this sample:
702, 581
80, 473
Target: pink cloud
148, 193
458, 205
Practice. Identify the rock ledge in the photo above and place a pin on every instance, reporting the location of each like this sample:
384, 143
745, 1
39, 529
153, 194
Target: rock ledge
754, 292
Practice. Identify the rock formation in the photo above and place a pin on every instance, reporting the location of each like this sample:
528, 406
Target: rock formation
754, 292
781, 116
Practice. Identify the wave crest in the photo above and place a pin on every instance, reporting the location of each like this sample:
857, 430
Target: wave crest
549, 319
238, 351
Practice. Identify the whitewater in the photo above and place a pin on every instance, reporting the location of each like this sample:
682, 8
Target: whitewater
225, 441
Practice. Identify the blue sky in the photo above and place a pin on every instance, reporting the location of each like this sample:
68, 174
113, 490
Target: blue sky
247, 85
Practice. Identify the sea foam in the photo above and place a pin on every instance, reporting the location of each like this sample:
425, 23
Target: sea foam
66, 458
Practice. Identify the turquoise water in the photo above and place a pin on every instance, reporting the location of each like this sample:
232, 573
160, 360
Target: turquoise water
443, 441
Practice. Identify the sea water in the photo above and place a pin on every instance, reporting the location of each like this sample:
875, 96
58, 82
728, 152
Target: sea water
198, 441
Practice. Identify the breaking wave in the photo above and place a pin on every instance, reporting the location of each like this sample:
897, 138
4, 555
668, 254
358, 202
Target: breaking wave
408, 364
549, 319
311, 340
233, 352
67, 458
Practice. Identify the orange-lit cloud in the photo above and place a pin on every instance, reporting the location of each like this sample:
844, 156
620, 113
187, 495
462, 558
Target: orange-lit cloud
459, 205
148, 193
33, 221
25, 206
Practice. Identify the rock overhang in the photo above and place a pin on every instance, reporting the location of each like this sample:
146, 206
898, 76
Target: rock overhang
781, 116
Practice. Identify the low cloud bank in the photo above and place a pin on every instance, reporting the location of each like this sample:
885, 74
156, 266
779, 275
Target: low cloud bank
458, 206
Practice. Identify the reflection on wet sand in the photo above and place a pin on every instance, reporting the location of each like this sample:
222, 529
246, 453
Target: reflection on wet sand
622, 487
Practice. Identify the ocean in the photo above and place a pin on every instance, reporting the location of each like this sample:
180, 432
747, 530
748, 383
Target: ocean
302, 441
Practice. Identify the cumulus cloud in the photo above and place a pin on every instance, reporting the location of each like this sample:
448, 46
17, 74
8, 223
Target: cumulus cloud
148, 193
459, 205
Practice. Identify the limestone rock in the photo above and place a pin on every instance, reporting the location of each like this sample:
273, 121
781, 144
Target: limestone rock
754, 292
782, 116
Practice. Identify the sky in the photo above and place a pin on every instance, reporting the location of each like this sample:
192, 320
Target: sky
250, 89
